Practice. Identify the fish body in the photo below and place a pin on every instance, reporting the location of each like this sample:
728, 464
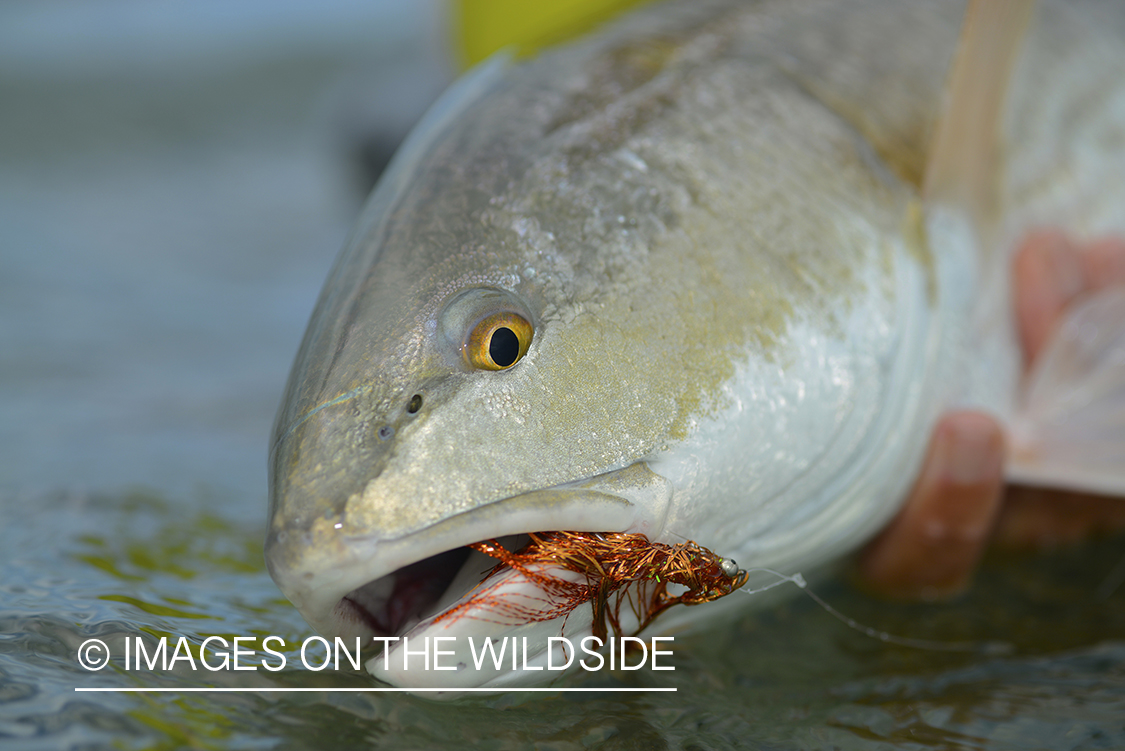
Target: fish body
746, 306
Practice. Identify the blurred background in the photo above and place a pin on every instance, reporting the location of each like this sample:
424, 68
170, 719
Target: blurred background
175, 180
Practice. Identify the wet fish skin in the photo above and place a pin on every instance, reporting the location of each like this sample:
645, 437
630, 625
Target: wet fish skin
712, 215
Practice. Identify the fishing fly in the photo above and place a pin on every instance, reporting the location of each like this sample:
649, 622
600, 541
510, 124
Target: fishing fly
618, 573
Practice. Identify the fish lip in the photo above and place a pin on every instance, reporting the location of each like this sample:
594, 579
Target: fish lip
318, 567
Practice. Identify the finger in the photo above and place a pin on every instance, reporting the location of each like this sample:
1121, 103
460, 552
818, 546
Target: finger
932, 547
1048, 275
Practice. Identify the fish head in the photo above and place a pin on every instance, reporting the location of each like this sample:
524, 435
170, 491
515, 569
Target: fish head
439, 417
446, 393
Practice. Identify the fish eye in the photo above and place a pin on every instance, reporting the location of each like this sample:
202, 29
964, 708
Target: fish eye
498, 341
484, 328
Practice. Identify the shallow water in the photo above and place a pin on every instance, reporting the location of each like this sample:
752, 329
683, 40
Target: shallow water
170, 200
134, 564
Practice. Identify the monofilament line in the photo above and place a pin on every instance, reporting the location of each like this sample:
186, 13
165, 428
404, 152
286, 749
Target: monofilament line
874, 633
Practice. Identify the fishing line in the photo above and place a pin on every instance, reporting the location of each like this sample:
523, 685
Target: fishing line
989, 648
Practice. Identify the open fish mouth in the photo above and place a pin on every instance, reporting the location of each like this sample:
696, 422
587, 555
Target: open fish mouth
488, 607
536, 587
491, 575
367, 587
392, 605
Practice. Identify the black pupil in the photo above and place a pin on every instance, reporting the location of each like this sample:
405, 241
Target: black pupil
504, 347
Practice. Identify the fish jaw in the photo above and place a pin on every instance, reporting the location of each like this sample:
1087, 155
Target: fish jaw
485, 643
357, 583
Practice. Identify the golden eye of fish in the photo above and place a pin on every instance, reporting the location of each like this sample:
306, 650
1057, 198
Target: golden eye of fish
498, 341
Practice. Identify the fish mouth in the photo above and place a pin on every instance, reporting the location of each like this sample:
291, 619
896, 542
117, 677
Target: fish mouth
373, 589
395, 603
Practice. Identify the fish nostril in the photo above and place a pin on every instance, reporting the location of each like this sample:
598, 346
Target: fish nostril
415, 404
386, 433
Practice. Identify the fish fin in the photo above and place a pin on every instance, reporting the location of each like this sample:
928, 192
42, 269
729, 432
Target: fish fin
966, 153
1070, 429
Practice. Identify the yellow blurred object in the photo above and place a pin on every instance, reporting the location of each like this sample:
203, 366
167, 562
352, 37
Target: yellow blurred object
481, 27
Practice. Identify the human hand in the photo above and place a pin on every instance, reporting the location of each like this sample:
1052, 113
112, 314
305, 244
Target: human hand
959, 503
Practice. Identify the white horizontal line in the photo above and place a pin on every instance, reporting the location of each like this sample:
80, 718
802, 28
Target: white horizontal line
365, 690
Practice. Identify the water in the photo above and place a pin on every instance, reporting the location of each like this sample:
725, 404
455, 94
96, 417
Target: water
173, 186
130, 564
